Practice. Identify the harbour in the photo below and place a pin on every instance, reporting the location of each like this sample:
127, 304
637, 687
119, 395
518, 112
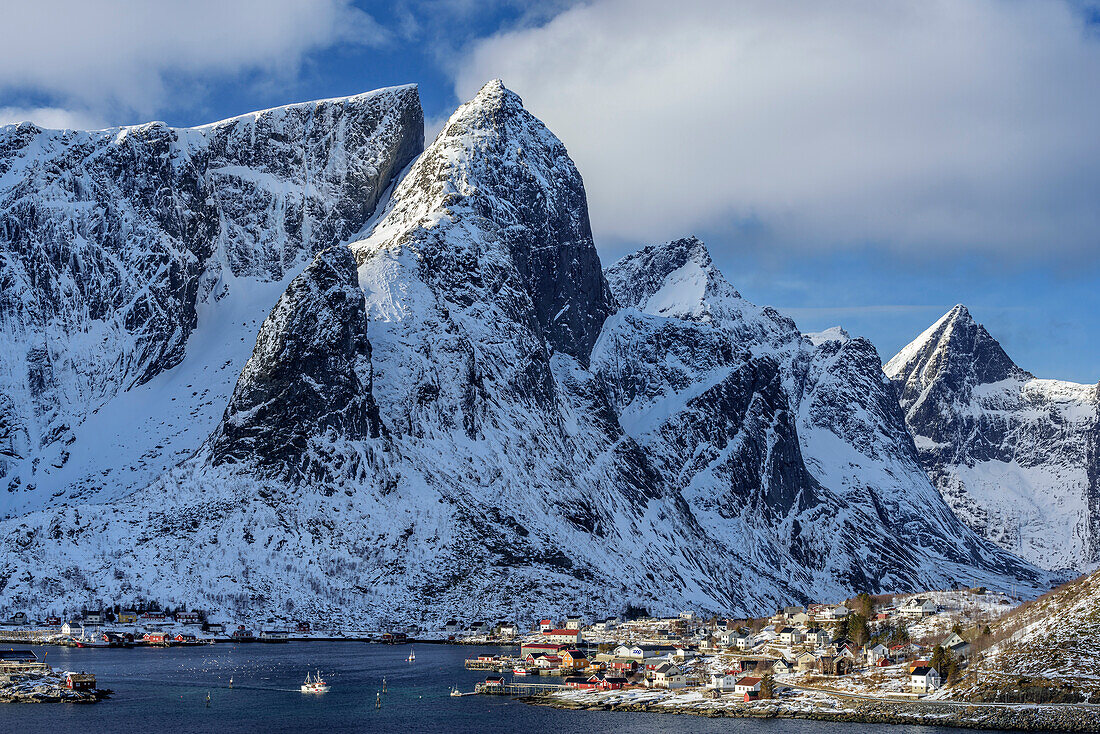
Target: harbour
257, 687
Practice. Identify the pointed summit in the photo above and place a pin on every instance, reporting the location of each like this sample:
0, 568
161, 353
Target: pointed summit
494, 196
677, 279
955, 347
947, 361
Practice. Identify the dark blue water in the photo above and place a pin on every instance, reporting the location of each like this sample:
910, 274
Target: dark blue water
164, 690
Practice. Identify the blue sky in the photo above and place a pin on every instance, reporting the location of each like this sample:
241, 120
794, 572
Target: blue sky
853, 163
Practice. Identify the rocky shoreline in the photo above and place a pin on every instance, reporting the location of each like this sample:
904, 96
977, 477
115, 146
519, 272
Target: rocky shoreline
1066, 718
46, 689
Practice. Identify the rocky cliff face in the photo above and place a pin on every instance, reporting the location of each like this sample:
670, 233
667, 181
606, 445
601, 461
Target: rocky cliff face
1014, 456
115, 244
451, 416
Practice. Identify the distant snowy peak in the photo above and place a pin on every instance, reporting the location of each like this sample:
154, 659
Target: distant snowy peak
679, 280
832, 334
1014, 456
676, 279
956, 345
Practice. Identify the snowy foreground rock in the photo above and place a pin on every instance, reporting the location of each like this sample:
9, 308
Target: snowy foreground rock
453, 411
1016, 457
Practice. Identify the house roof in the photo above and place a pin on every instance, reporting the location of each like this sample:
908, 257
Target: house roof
749, 681
562, 632
923, 670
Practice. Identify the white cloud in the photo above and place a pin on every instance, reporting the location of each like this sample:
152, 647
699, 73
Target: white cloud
51, 117
126, 54
918, 125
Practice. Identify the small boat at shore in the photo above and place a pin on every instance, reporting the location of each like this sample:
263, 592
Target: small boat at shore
316, 684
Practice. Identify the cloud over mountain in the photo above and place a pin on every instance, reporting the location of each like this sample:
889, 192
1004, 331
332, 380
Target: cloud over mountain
911, 126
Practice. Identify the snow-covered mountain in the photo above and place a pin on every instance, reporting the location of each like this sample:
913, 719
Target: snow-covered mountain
458, 413
137, 263
1016, 457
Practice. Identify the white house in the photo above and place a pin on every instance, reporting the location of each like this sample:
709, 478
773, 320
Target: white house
957, 644
877, 653
573, 622
641, 652
817, 637
667, 675
838, 612
451, 627
742, 641
918, 607
924, 679
563, 636
722, 681
789, 636
71, 627
748, 684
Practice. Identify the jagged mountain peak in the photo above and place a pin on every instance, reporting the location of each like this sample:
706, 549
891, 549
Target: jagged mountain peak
832, 334
676, 278
680, 280
496, 198
955, 348
1011, 454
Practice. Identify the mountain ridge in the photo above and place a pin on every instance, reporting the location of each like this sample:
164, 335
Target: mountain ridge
455, 416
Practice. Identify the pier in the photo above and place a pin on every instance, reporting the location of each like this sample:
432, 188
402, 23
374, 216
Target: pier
30, 637
517, 689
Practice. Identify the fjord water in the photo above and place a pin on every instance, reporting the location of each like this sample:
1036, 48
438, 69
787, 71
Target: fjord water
165, 690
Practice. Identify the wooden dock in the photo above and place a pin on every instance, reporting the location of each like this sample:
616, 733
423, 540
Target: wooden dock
30, 637
517, 689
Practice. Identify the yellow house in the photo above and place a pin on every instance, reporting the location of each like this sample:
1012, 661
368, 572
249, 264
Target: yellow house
127, 616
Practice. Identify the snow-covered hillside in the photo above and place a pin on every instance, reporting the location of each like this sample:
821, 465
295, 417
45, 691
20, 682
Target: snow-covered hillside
458, 413
1016, 457
137, 263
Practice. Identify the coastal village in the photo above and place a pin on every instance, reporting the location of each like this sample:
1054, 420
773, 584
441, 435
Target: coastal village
912, 658
906, 648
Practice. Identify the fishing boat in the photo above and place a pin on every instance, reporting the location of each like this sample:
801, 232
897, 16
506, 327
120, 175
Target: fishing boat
412, 657
520, 671
316, 684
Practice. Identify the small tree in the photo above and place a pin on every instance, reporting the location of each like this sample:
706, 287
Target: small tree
767, 686
865, 605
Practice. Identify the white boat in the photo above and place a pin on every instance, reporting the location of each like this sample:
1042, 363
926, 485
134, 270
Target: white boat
412, 656
315, 684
